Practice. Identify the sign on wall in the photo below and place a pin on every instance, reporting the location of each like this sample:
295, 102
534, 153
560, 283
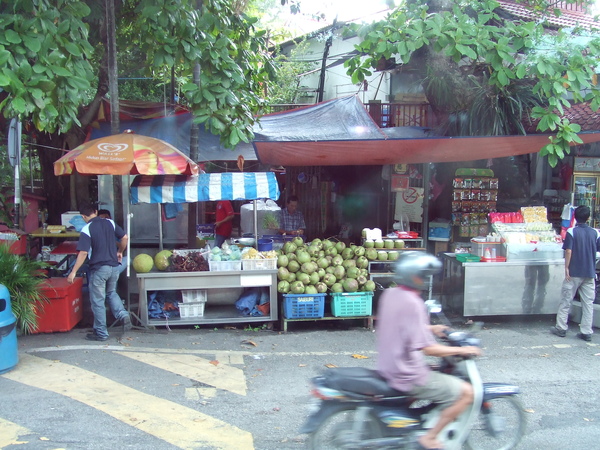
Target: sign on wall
587, 164
399, 182
410, 202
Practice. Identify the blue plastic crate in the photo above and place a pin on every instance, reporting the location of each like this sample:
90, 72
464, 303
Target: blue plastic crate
303, 306
351, 304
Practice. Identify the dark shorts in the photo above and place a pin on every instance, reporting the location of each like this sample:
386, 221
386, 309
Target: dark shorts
440, 388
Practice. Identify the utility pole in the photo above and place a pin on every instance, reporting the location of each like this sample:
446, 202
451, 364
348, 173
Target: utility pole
328, 43
113, 92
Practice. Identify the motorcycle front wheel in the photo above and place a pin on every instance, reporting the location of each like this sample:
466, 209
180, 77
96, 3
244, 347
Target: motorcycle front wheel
345, 430
499, 426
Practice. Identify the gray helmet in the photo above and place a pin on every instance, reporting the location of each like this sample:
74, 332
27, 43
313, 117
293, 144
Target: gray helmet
413, 269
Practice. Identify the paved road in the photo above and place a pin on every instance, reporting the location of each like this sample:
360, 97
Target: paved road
247, 389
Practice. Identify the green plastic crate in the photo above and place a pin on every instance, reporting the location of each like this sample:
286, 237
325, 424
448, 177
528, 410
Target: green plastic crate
467, 257
351, 304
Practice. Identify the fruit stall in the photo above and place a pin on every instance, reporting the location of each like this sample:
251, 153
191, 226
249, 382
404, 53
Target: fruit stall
196, 286
517, 269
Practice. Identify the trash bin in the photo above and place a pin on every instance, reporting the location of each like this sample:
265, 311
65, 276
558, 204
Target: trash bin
8, 332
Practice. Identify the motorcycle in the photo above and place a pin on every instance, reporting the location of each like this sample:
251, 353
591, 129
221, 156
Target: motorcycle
356, 409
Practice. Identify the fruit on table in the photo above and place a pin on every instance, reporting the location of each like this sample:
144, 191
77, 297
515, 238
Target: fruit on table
143, 263
161, 259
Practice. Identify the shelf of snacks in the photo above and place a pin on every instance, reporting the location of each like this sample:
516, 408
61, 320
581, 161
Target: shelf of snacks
474, 196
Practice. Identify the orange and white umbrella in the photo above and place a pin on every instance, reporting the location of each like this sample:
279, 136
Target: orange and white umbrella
123, 154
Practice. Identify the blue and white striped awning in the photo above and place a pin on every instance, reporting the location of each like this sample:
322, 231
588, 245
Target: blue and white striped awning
204, 187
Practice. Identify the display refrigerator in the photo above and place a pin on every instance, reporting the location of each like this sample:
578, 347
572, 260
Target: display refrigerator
585, 188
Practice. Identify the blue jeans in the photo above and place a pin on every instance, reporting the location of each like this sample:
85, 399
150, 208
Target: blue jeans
102, 287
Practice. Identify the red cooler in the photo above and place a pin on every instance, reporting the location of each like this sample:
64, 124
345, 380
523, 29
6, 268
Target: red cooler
65, 308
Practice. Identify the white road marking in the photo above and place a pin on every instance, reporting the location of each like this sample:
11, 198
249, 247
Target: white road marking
176, 424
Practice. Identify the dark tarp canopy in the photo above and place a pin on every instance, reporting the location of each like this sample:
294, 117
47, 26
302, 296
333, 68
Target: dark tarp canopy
313, 137
405, 151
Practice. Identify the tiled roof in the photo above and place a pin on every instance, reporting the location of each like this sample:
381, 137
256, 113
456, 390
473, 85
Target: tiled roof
566, 19
581, 114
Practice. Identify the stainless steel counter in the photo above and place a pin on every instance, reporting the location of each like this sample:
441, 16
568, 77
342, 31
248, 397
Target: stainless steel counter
502, 288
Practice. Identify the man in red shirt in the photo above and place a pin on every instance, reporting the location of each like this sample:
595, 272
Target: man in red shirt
223, 222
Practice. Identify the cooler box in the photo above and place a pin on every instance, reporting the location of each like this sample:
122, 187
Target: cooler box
65, 307
66, 217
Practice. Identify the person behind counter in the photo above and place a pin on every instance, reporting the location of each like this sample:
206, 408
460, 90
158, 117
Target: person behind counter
223, 222
97, 240
291, 220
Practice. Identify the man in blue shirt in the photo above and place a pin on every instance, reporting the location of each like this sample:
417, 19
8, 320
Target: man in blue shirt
97, 241
580, 246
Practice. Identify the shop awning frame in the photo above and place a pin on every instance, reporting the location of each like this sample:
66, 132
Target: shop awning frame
204, 187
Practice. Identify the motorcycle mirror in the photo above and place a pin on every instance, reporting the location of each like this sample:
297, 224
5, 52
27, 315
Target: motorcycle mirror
433, 306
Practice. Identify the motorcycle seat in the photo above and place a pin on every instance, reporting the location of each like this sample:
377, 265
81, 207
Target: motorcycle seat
359, 380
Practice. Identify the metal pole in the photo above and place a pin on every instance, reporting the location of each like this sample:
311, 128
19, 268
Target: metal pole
255, 224
160, 229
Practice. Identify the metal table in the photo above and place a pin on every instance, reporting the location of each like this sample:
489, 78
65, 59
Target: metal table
519, 287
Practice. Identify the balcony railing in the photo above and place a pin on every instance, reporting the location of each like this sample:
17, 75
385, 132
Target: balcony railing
385, 115
388, 115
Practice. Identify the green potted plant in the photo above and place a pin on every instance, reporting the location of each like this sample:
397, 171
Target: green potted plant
22, 277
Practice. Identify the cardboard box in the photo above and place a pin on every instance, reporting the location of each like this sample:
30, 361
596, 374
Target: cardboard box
65, 309
65, 218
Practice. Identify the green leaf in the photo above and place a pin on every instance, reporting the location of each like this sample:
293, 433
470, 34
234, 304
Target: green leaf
19, 105
466, 51
234, 138
208, 95
73, 49
60, 71
32, 43
12, 37
4, 80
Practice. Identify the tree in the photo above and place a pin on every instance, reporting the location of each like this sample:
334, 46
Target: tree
470, 51
54, 74
285, 87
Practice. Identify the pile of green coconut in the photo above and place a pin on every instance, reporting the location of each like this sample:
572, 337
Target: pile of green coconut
322, 266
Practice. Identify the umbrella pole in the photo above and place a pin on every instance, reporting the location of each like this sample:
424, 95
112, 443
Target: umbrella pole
160, 229
255, 224
128, 215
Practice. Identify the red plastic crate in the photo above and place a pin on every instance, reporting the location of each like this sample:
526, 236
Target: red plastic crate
18, 247
65, 307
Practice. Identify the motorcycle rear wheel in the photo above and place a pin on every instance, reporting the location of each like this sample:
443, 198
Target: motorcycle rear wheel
499, 426
338, 431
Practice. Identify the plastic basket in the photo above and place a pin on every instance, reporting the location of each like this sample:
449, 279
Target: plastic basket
304, 306
224, 266
467, 257
193, 295
259, 264
188, 310
351, 304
